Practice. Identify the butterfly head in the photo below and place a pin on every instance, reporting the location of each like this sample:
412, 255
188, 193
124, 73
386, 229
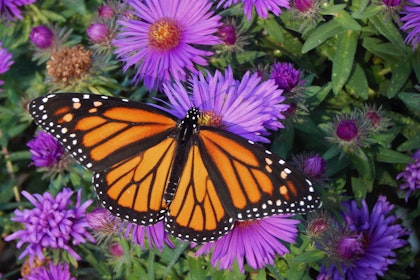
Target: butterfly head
193, 114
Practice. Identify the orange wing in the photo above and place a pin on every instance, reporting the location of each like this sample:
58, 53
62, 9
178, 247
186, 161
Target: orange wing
134, 188
251, 182
101, 131
196, 212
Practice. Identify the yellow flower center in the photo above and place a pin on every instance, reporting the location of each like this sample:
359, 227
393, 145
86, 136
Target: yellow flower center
164, 34
210, 119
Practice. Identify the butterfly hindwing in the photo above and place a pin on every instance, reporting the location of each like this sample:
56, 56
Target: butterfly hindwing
251, 182
196, 212
134, 188
100, 131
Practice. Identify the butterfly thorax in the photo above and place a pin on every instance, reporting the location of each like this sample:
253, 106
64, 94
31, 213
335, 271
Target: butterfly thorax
188, 126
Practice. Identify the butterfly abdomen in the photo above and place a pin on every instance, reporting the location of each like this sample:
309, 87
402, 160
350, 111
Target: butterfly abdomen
187, 127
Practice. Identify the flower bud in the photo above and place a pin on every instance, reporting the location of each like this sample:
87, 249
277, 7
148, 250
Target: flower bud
42, 36
97, 32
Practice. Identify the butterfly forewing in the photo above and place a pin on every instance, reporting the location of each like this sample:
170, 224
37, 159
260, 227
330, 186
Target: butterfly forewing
251, 182
100, 131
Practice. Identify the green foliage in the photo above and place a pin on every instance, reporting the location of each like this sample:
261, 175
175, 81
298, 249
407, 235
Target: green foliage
352, 54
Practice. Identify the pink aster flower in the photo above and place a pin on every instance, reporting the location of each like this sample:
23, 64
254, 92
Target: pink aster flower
54, 223
248, 107
262, 7
9, 9
257, 242
161, 39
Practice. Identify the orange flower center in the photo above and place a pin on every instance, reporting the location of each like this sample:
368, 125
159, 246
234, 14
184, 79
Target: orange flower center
210, 119
244, 225
164, 34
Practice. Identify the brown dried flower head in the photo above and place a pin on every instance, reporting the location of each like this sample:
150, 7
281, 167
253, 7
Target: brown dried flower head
69, 64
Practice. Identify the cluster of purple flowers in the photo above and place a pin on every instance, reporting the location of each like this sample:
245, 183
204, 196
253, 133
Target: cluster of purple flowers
167, 42
55, 223
360, 244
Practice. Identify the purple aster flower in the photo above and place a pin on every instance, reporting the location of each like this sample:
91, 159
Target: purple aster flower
314, 166
98, 32
54, 223
285, 75
258, 242
160, 40
46, 150
262, 7
59, 271
362, 246
42, 36
248, 107
5, 61
411, 21
411, 176
349, 131
9, 9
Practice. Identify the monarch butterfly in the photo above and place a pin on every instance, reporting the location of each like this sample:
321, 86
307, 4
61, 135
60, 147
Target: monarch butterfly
150, 166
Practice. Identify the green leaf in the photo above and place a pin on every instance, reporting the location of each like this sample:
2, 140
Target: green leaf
196, 268
275, 271
309, 256
380, 48
331, 152
249, 56
358, 83
411, 100
76, 6
175, 256
401, 71
359, 187
333, 9
391, 156
388, 29
410, 144
273, 28
343, 59
369, 12
346, 21
364, 165
321, 34
315, 100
